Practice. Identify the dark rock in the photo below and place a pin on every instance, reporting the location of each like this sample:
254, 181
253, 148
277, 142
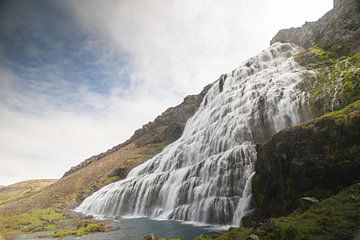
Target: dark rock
253, 237
337, 31
268, 225
322, 157
307, 202
150, 237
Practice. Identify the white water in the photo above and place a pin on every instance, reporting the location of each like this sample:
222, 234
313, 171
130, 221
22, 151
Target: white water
205, 175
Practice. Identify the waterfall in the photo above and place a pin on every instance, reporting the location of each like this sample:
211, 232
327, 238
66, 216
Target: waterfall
205, 176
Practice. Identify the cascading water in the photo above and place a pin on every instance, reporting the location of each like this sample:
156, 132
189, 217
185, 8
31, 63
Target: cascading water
205, 176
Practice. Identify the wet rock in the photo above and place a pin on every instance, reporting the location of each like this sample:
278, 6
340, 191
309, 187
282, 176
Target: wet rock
323, 157
253, 237
268, 225
307, 202
151, 237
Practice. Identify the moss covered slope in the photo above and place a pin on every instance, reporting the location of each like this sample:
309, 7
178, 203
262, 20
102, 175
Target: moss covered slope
336, 82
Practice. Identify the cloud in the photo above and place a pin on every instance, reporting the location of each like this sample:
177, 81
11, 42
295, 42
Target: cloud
110, 67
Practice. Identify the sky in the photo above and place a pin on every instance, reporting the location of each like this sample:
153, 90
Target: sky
80, 76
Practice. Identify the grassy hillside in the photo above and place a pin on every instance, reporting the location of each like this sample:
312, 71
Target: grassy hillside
64, 194
23, 189
96, 172
67, 192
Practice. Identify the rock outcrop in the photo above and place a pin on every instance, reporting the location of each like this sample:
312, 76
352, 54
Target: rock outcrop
336, 31
316, 159
165, 128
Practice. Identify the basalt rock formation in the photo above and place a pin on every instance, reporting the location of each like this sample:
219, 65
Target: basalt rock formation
337, 31
321, 157
316, 159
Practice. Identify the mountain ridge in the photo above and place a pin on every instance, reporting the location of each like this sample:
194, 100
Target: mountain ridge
337, 31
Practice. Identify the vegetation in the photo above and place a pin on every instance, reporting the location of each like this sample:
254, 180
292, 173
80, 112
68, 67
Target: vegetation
34, 221
40, 220
336, 218
336, 83
82, 230
22, 189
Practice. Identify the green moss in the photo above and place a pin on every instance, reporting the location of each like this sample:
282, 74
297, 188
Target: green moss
336, 82
34, 221
321, 54
336, 218
87, 228
113, 178
63, 233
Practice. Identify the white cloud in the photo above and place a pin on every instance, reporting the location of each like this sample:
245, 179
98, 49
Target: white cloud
174, 49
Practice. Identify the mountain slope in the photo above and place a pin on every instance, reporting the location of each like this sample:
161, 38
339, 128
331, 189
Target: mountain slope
92, 174
22, 189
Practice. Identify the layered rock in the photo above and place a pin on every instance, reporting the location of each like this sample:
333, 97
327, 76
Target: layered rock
337, 31
315, 159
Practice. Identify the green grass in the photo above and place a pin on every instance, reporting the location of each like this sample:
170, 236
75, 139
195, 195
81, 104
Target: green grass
321, 54
82, 230
34, 221
337, 80
335, 218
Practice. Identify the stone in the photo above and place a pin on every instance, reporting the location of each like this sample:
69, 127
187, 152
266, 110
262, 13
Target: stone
336, 31
253, 237
151, 237
307, 202
328, 150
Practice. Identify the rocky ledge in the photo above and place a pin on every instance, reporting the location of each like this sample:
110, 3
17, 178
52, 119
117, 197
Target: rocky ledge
313, 160
336, 31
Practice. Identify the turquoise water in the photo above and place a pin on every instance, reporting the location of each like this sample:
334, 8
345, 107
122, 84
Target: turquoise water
138, 228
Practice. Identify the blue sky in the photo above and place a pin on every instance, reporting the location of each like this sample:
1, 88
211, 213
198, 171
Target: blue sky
45, 46
78, 77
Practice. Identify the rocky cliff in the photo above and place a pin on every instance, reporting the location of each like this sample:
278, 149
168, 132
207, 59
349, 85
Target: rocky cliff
336, 31
319, 158
316, 159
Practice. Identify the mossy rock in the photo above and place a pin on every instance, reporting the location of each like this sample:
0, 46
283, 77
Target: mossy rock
336, 82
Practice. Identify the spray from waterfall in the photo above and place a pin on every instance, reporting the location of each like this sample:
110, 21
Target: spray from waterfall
205, 176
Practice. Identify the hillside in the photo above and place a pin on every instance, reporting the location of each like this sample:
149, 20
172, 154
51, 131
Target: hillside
272, 134
23, 189
100, 170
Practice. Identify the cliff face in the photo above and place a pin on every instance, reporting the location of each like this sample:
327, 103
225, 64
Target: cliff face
319, 158
337, 31
315, 159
